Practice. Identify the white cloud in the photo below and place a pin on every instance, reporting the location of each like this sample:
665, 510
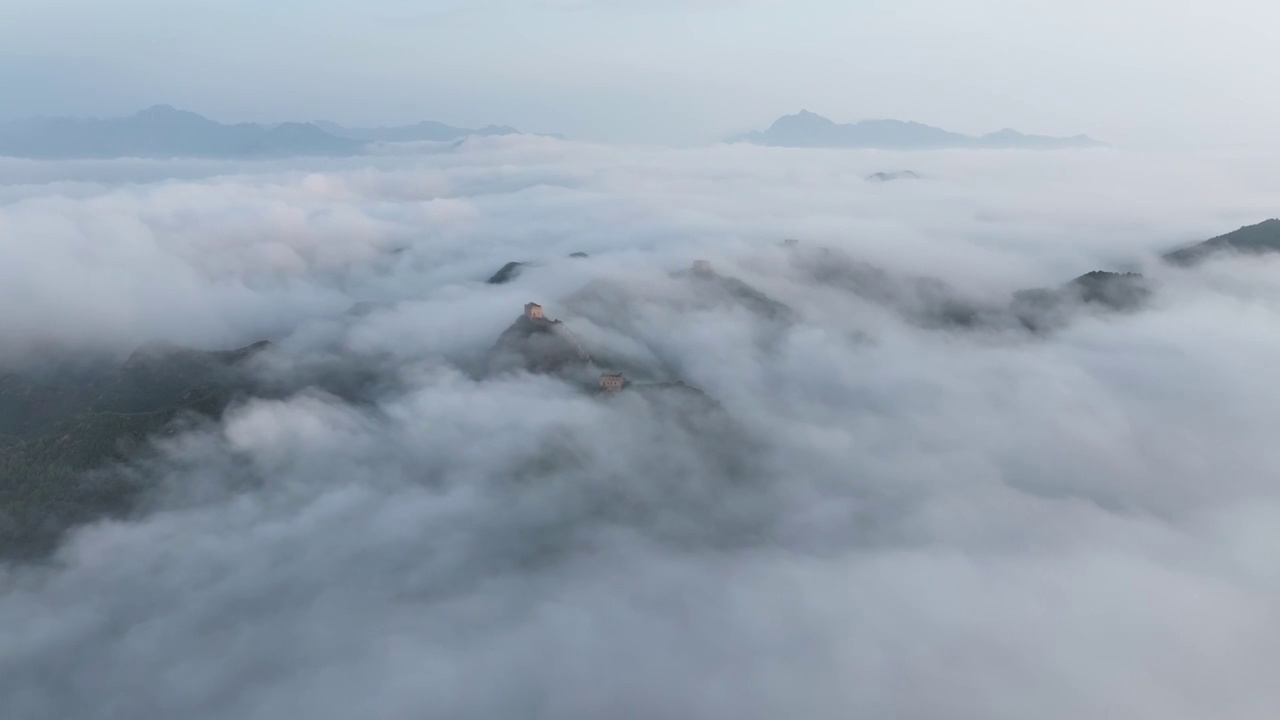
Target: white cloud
889, 521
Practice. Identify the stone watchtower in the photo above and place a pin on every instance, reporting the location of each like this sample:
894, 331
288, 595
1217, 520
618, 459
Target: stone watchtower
533, 311
702, 267
612, 382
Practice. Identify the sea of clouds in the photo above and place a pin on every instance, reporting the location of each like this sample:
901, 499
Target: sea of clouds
881, 520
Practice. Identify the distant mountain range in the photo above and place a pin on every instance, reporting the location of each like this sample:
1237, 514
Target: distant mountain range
165, 131
806, 129
423, 131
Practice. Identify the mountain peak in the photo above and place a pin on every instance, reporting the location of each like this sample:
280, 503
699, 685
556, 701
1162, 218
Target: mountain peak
811, 117
161, 110
808, 129
801, 121
168, 115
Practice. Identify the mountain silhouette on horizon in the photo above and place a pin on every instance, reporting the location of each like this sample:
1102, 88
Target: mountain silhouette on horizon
163, 131
807, 129
427, 130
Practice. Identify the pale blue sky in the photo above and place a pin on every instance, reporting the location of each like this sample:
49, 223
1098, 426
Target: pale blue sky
1137, 72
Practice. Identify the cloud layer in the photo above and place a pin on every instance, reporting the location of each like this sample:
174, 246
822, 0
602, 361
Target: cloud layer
871, 518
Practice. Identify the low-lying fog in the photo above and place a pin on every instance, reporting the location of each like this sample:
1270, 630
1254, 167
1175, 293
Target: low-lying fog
868, 516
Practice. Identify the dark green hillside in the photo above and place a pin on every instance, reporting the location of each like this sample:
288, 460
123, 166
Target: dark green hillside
1252, 239
60, 438
1044, 309
507, 273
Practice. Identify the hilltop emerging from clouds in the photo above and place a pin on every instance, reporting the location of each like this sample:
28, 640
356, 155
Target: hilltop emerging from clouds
806, 129
273, 445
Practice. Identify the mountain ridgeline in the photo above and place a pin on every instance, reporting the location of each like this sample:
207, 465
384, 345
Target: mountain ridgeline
426, 131
1249, 240
163, 131
65, 435
809, 130
166, 132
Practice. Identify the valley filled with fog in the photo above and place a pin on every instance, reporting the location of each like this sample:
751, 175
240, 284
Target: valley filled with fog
858, 469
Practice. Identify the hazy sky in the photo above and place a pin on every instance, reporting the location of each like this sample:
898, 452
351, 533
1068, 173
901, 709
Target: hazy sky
1137, 72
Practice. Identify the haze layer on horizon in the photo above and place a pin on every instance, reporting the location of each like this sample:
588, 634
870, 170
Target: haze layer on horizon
1138, 73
